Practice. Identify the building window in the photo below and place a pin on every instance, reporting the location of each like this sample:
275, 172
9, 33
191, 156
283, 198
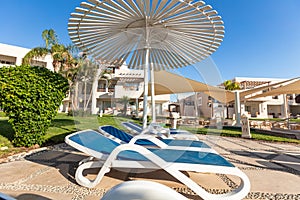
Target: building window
38, 63
7, 60
131, 86
297, 99
189, 103
290, 97
248, 108
200, 101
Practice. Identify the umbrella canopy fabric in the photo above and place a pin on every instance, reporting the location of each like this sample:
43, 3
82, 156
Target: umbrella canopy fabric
177, 33
170, 83
165, 34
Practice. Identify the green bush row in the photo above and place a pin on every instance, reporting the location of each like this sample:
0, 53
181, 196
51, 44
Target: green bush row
30, 97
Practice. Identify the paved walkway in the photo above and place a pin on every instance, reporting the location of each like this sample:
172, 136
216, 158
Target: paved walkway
273, 170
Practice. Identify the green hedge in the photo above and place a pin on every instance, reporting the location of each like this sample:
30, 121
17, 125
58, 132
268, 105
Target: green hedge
30, 97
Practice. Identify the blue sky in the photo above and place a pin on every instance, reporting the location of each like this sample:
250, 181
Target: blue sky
262, 37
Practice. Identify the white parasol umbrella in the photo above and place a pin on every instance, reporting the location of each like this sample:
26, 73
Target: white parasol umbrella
164, 33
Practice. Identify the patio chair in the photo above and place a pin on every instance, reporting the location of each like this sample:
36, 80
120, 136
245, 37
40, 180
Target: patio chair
122, 137
155, 128
109, 154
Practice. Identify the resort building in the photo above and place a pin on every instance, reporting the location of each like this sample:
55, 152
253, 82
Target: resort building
204, 106
279, 106
120, 83
13, 55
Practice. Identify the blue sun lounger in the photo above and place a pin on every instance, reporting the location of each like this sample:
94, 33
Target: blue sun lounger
122, 137
174, 133
110, 154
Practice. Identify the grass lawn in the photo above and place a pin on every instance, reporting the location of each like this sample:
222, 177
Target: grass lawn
60, 127
63, 125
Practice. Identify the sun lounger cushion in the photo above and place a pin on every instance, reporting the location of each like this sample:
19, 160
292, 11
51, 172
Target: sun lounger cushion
92, 140
125, 137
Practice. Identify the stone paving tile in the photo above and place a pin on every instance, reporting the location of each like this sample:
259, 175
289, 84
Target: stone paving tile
266, 146
49, 155
54, 176
32, 195
71, 157
289, 161
58, 192
18, 170
91, 197
283, 146
210, 181
294, 153
273, 181
287, 158
228, 145
111, 179
250, 162
263, 154
221, 150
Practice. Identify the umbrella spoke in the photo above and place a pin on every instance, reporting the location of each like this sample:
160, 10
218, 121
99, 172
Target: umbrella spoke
164, 8
136, 8
157, 60
98, 11
127, 7
176, 55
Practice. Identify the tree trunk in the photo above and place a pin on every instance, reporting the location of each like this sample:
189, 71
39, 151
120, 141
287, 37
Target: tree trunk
94, 91
75, 97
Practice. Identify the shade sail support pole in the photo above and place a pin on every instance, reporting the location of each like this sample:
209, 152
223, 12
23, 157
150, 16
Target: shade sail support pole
237, 104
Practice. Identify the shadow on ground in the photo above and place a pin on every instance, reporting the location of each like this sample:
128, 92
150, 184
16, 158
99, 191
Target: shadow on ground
272, 160
66, 162
6, 129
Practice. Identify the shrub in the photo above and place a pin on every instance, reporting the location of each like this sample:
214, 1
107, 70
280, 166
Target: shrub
2, 114
30, 97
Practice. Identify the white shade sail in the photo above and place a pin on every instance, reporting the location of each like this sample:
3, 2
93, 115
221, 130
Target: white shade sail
245, 94
169, 83
290, 88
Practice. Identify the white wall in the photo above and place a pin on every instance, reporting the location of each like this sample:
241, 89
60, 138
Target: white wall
19, 53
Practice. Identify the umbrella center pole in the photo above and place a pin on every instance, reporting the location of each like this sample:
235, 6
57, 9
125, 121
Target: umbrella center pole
145, 100
146, 71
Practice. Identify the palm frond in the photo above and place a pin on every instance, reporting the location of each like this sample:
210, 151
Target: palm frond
38, 52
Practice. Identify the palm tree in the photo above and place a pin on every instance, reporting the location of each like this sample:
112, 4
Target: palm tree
124, 100
87, 75
229, 85
62, 58
49, 37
